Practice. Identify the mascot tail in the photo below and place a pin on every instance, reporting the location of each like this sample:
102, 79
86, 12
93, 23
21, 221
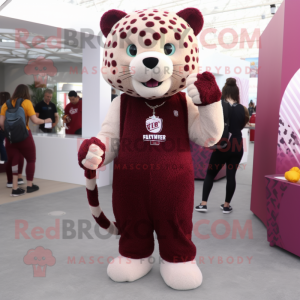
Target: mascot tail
92, 195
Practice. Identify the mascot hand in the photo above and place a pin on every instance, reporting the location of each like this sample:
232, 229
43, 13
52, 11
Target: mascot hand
203, 89
91, 156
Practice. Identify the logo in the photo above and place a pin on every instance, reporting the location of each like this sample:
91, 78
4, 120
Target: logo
40, 68
175, 113
73, 111
154, 124
39, 258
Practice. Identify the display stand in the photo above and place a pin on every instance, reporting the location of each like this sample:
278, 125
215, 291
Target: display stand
283, 206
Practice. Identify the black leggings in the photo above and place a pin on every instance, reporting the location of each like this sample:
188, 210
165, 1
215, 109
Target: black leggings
216, 163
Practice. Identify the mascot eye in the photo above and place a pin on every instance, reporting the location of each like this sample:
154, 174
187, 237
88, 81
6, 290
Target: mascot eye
169, 49
131, 50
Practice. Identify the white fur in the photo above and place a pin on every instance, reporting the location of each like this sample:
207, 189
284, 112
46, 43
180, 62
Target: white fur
162, 72
96, 211
205, 123
181, 276
90, 183
123, 269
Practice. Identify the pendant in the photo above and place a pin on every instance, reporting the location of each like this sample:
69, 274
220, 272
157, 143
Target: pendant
154, 125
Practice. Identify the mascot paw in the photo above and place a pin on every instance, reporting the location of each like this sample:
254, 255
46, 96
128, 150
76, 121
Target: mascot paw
91, 154
123, 269
181, 276
203, 88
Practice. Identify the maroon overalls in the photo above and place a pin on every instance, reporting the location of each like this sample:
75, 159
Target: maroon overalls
153, 185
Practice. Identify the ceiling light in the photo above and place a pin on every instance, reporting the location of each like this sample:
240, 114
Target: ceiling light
273, 9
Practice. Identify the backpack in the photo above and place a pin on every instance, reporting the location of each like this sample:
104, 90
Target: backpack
225, 136
15, 122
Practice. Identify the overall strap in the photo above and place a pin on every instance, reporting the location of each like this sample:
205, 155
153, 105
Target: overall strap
8, 104
19, 102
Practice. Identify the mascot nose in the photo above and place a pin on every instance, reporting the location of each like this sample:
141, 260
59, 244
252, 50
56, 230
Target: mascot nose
150, 62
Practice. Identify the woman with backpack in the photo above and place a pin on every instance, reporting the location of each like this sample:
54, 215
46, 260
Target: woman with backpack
232, 154
25, 144
4, 96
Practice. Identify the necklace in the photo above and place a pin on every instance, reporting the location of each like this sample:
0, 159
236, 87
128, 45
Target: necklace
154, 107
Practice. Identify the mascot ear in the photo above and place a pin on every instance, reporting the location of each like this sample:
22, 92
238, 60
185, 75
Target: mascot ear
193, 17
109, 19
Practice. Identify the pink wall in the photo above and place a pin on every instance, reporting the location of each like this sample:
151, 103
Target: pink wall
268, 102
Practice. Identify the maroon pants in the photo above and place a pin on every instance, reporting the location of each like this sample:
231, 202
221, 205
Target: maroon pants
24, 149
153, 185
8, 169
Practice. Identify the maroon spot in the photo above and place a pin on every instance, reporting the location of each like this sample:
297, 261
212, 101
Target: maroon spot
174, 18
193, 67
111, 55
127, 27
141, 15
191, 51
187, 59
183, 26
150, 24
114, 44
151, 15
193, 58
127, 16
186, 68
177, 36
179, 29
183, 80
148, 42
155, 10
123, 35
114, 63
108, 45
124, 23
174, 91
144, 19
128, 92
190, 38
114, 72
120, 86
117, 26
114, 32
119, 81
166, 12
105, 53
172, 22
133, 21
108, 64
121, 29
170, 27
109, 80
197, 59
142, 33
163, 30
185, 44
165, 15
134, 30
181, 86
105, 62
162, 22
156, 18
156, 36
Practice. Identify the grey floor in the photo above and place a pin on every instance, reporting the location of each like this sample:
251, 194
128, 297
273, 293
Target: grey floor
271, 274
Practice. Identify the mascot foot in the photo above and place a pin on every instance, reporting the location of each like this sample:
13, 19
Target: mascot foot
123, 269
181, 276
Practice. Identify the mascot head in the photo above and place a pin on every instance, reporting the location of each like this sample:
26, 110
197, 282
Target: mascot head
150, 53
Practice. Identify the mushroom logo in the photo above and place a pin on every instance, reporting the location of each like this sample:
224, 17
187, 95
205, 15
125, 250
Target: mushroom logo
39, 258
40, 68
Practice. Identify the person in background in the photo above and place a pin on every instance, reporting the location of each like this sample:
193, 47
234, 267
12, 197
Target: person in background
46, 109
232, 154
113, 94
25, 148
4, 96
73, 114
251, 108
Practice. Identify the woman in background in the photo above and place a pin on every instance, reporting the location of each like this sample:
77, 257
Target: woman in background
4, 96
25, 148
232, 154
